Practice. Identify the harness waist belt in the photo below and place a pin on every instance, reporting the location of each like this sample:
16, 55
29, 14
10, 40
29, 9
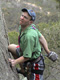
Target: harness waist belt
36, 60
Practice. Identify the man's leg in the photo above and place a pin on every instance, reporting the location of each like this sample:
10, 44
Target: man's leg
12, 49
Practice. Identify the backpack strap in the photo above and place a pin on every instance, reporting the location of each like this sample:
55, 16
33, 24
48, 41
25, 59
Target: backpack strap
33, 27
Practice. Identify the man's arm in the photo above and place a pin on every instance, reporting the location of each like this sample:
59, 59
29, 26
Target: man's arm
17, 61
51, 55
43, 42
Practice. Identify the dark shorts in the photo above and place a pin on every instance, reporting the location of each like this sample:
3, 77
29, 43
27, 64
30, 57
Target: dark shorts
35, 77
37, 70
18, 52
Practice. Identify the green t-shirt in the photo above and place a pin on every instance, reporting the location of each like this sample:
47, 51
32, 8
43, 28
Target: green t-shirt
39, 34
29, 43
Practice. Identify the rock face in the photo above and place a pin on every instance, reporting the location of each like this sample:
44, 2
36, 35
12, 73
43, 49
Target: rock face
6, 72
52, 70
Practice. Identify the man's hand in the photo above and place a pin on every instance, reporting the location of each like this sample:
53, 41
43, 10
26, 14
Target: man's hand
12, 61
53, 56
18, 60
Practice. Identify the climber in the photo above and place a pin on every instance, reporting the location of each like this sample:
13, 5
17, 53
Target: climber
28, 52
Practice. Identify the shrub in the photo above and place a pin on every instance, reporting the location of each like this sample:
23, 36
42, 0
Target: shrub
13, 37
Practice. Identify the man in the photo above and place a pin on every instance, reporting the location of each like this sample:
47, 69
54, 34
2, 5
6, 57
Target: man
29, 48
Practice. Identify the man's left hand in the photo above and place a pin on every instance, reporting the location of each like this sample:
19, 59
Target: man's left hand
53, 56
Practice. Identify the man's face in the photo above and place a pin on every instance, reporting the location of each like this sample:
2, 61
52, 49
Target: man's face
25, 19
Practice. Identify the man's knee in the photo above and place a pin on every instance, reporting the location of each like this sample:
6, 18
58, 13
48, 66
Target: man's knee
12, 48
9, 48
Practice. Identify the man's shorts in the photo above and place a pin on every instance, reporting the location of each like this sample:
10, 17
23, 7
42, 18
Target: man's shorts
35, 77
18, 51
37, 70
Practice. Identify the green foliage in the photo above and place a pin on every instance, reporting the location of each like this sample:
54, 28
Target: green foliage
42, 26
51, 32
13, 37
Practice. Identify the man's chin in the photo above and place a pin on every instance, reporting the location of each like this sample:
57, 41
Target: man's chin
20, 23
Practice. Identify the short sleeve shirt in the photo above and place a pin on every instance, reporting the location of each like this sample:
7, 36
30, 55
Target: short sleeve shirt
29, 43
39, 34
